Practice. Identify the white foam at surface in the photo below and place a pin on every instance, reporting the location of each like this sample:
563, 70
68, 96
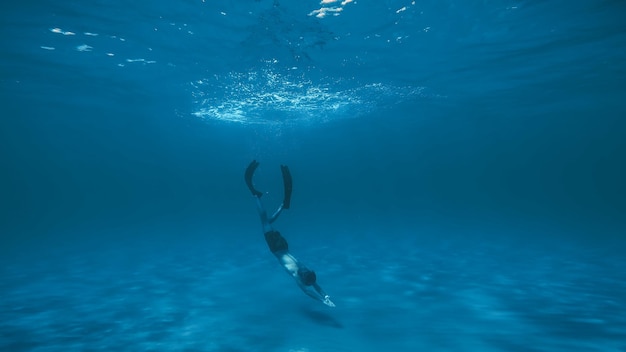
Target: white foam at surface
268, 97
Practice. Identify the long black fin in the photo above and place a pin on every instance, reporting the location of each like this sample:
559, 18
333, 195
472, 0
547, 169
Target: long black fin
248, 176
288, 183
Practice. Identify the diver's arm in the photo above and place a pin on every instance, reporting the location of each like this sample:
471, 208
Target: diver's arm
317, 293
323, 294
290, 263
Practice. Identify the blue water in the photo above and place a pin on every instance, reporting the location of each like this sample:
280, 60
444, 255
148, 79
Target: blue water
458, 175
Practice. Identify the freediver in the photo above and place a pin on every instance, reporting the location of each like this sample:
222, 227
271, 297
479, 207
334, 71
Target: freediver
305, 277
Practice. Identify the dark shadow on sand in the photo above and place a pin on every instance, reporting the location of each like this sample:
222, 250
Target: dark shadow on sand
321, 318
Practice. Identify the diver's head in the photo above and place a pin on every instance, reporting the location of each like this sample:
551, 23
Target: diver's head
307, 276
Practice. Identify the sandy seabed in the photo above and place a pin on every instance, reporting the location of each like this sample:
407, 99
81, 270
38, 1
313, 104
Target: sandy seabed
438, 296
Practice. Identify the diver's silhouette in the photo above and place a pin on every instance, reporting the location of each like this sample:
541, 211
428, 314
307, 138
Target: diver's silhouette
305, 277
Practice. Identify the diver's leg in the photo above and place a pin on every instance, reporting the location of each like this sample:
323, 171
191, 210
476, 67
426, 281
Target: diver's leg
288, 185
265, 222
276, 214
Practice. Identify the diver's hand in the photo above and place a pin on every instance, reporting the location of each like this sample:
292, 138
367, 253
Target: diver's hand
315, 291
327, 301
